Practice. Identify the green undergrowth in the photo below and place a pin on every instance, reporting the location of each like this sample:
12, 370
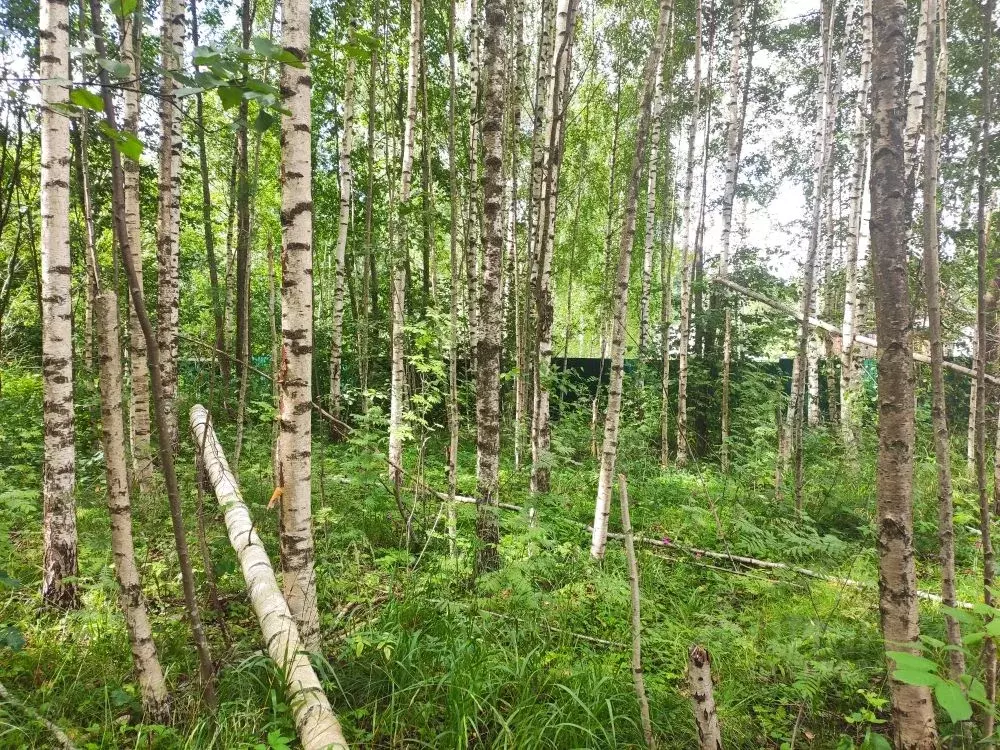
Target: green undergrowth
419, 655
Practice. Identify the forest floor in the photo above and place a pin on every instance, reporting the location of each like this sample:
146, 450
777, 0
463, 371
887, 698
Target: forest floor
417, 654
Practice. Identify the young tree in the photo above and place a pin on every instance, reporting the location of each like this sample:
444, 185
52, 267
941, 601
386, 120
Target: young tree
295, 373
398, 281
453, 417
490, 333
914, 724
346, 188
169, 216
59, 507
687, 264
609, 451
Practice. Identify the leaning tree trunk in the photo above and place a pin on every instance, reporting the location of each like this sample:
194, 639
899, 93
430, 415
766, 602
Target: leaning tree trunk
850, 391
59, 507
169, 217
166, 454
609, 451
155, 698
490, 333
687, 266
315, 722
989, 657
346, 188
913, 709
295, 374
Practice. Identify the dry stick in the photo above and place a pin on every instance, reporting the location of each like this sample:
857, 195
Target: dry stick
153, 361
60, 736
700, 684
315, 722
633, 580
834, 331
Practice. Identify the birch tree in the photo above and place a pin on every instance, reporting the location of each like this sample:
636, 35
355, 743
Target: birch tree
932, 281
142, 461
58, 477
849, 377
687, 264
169, 215
914, 724
544, 245
490, 333
152, 686
398, 285
346, 189
295, 372
609, 451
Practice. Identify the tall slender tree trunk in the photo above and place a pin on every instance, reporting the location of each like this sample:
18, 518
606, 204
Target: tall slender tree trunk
169, 217
609, 451
649, 237
914, 724
989, 657
490, 333
734, 139
687, 264
142, 460
58, 476
218, 300
939, 415
791, 436
545, 231
398, 381
369, 281
472, 186
152, 686
666, 317
164, 448
346, 190
243, 221
453, 416
295, 373
849, 375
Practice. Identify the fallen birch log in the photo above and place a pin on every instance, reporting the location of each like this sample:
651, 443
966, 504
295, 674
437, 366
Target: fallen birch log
752, 562
315, 722
834, 330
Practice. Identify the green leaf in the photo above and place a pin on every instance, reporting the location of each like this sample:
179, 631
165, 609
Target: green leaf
875, 741
130, 146
264, 121
205, 56
187, 91
11, 637
122, 8
115, 67
8, 582
289, 59
265, 47
971, 639
230, 96
993, 627
951, 698
908, 661
86, 99
977, 691
959, 615
916, 677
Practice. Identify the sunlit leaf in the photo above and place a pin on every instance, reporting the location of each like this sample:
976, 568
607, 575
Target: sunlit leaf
951, 698
87, 99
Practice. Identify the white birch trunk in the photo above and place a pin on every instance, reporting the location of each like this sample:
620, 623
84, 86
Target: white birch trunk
152, 686
849, 376
398, 289
346, 188
649, 238
315, 722
706, 718
142, 457
916, 96
58, 475
687, 264
169, 216
609, 451
295, 373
